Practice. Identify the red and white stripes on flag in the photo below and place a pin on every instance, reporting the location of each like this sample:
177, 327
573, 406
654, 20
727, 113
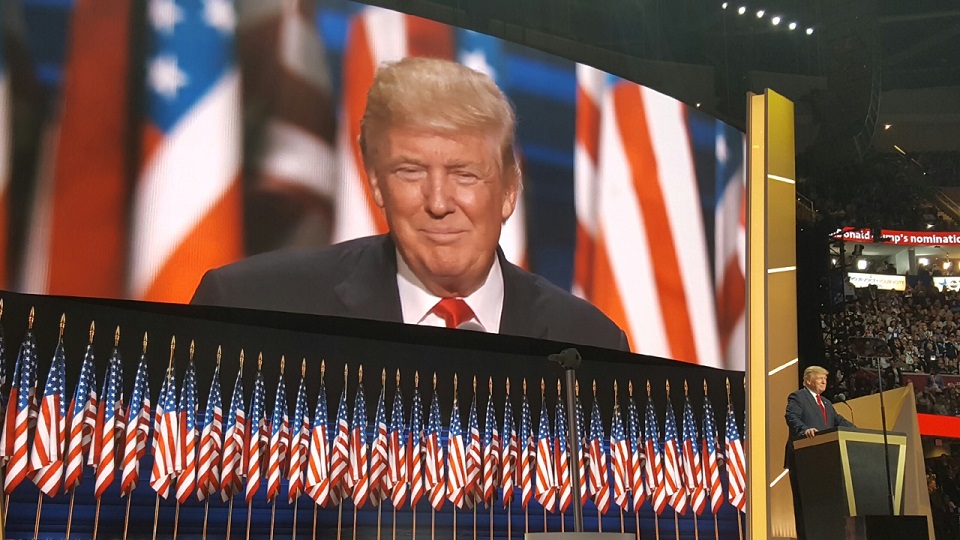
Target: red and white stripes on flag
317, 483
82, 421
546, 485
165, 437
473, 487
736, 464
730, 246
211, 441
286, 76
299, 444
186, 445
83, 180
378, 454
48, 452
635, 185
279, 441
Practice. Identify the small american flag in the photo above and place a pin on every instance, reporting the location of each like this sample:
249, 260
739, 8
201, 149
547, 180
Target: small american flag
359, 466
491, 453
692, 469
82, 420
599, 473
109, 418
137, 428
165, 437
186, 465
317, 484
582, 454
456, 458
653, 466
279, 441
736, 464
433, 460
546, 488
4, 389
48, 453
397, 473
19, 418
672, 472
527, 453
211, 441
473, 490
299, 443
637, 458
416, 446
562, 457
234, 436
378, 453
711, 458
340, 457
620, 460
257, 437
508, 458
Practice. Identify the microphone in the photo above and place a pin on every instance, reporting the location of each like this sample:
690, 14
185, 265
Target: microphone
842, 398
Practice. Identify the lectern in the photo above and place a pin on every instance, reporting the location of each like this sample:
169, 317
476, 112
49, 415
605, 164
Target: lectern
842, 475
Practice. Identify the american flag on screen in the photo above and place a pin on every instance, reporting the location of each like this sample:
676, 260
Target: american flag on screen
359, 464
637, 457
456, 457
257, 437
673, 463
736, 464
211, 440
109, 431
398, 458
234, 435
137, 428
692, 466
527, 451
473, 488
711, 458
378, 451
375, 36
416, 445
82, 420
730, 244
561, 453
435, 478
165, 436
491, 451
636, 185
299, 441
20, 418
509, 455
187, 206
47, 455
620, 460
599, 472
546, 483
186, 447
279, 441
340, 482
317, 484
653, 465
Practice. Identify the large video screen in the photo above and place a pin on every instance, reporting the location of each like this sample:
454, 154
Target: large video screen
211, 132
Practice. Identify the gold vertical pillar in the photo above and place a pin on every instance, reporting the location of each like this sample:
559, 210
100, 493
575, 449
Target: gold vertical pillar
771, 311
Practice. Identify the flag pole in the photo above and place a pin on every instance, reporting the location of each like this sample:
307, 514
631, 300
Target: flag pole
70, 514
454, 518
249, 515
176, 520
636, 517
656, 523
696, 527
491, 517
510, 521
315, 505
206, 513
126, 517
739, 525
96, 520
156, 516
354, 522
599, 521
622, 530
295, 504
339, 519
433, 517
379, 518
414, 510
474, 522
716, 530
273, 515
36, 522
676, 523
229, 516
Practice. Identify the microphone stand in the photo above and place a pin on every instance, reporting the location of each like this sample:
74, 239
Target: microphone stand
569, 360
877, 348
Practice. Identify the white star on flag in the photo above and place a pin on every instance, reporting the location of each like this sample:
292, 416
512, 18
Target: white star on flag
165, 76
220, 15
164, 15
477, 61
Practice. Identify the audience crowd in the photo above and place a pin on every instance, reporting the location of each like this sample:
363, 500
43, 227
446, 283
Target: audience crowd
943, 486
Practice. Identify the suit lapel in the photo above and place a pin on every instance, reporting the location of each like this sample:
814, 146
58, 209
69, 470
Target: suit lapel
370, 290
519, 316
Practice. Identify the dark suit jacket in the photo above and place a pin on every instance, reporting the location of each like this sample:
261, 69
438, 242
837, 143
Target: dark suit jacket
804, 413
358, 279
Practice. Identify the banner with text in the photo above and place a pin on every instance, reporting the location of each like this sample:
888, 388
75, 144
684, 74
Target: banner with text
900, 238
882, 281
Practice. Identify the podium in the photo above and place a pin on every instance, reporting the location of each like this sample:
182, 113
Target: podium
841, 475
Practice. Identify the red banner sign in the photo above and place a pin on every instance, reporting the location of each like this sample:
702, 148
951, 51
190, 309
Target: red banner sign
901, 238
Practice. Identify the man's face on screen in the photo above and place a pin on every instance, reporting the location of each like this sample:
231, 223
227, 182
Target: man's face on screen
445, 198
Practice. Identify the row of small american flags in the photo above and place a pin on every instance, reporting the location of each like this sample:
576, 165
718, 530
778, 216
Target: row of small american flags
406, 457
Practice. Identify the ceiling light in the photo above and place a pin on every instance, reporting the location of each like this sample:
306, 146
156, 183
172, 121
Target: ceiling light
775, 20
698, 105
742, 9
810, 31
724, 5
886, 127
923, 261
792, 26
760, 13
861, 264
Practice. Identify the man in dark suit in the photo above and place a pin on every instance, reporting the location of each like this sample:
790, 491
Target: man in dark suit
807, 414
437, 143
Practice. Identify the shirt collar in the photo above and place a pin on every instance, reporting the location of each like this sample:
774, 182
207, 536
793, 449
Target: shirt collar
812, 393
416, 301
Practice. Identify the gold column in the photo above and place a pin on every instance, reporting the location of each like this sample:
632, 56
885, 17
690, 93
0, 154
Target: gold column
771, 311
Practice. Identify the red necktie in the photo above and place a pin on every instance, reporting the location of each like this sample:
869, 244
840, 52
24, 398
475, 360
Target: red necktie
453, 311
822, 409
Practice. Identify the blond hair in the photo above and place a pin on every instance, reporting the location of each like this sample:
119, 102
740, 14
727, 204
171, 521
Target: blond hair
813, 370
438, 95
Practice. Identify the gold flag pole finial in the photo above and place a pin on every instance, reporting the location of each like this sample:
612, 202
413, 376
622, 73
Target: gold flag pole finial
577, 389
594, 388
398, 377
303, 368
93, 328
383, 378
346, 370
323, 368
416, 379
543, 389
63, 322
704, 388
260, 361
474, 385
116, 337
616, 390
668, 388
1, 308
193, 348
219, 355
144, 343
559, 389
630, 389
524, 386
648, 389
490, 385
283, 364
728, 391
31, 318
454, 386
686, 390
508, 386
241, 360
360, 374
173, 346
434, 381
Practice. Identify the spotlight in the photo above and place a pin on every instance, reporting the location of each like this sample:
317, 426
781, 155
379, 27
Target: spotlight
775, 20
923, 261
724, 5
929, 226
742, 9
698, 105
833, 260
760, 13
886, 127
862, 264
792, 26
947, 264
810, 31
